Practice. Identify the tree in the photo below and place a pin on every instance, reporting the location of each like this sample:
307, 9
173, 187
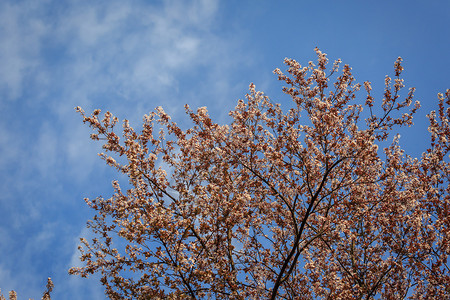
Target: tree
293, 204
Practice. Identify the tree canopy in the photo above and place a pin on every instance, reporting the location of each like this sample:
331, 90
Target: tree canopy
282, 203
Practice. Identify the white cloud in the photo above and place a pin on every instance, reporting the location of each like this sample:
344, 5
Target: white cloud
10, 147
46, 150
20, 34
135, 44
75, 258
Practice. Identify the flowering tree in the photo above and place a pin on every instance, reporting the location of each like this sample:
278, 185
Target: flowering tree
281, 204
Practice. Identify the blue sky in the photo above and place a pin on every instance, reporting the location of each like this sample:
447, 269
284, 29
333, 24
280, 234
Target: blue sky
131, 56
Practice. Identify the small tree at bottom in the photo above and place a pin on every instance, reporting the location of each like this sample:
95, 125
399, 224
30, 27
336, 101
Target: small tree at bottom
45, 296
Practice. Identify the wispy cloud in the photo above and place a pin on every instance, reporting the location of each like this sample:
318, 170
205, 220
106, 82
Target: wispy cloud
21, 30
